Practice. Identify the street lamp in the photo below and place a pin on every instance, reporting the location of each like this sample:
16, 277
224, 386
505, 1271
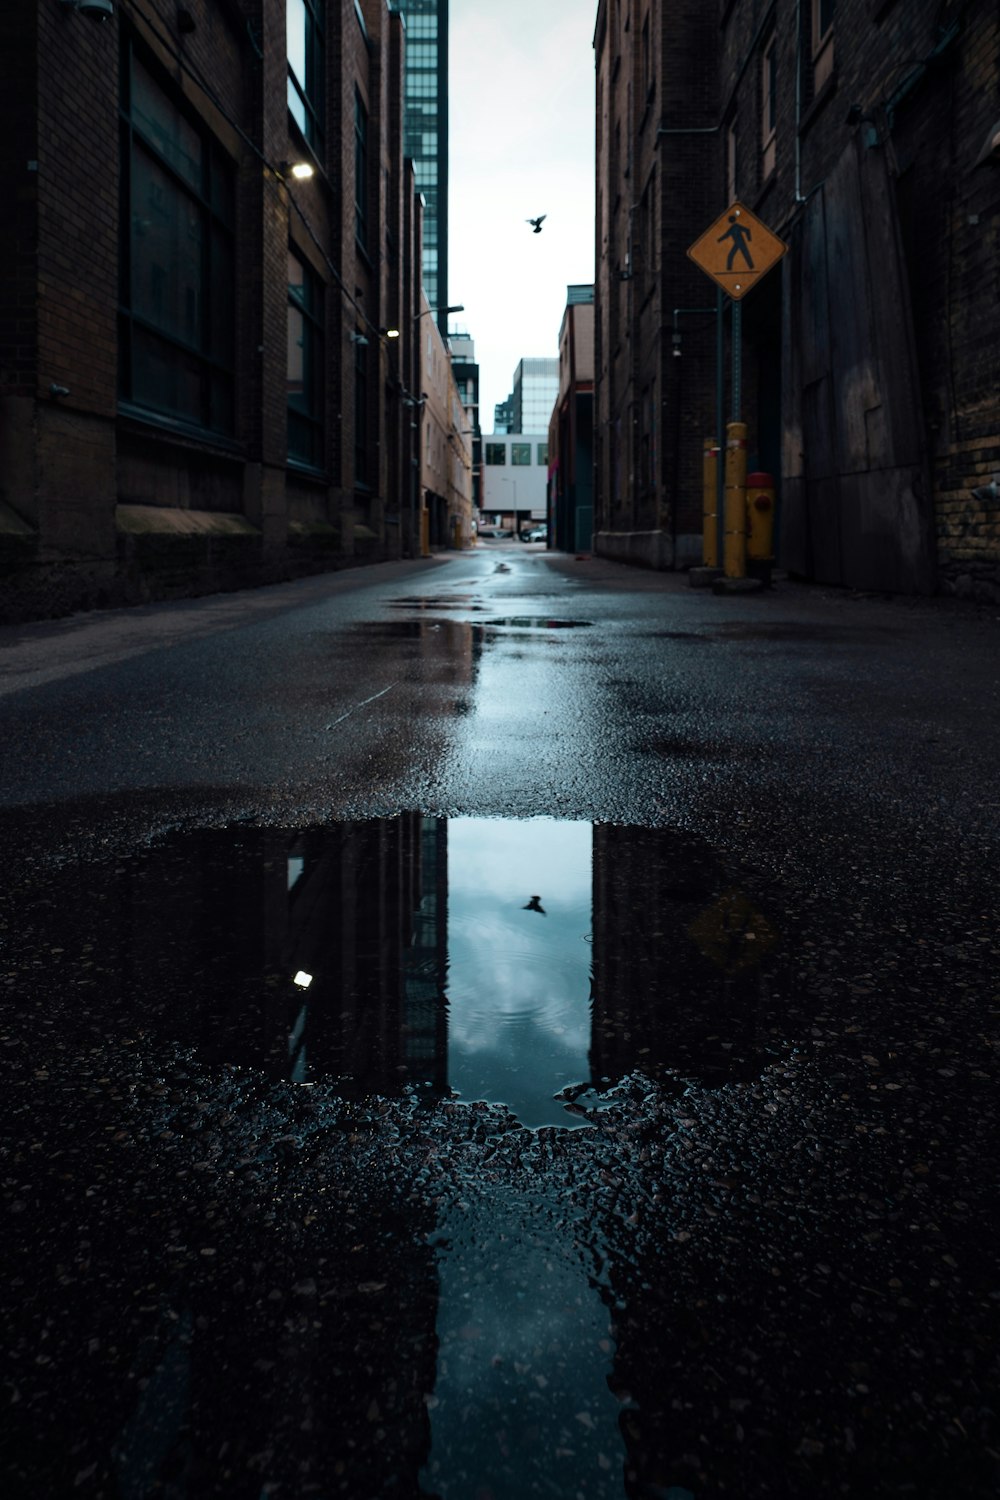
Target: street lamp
393, 333
300, 170
454, 307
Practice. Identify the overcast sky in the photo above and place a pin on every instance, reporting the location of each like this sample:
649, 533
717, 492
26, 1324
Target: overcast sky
521, 143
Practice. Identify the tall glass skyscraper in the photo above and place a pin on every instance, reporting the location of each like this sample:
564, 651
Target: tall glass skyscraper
425, 134
536, 391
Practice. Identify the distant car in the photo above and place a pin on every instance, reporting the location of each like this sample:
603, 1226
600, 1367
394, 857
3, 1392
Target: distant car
539, 533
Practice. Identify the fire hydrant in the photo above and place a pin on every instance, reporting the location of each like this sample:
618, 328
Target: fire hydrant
760, 525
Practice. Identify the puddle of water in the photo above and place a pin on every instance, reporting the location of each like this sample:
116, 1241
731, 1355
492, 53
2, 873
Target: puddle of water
529, 963
513, 622
450, 601
519, 913
511, 961
523, 1356
537, 622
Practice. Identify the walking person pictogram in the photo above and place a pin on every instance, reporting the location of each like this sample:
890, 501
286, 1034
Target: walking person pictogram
741, 236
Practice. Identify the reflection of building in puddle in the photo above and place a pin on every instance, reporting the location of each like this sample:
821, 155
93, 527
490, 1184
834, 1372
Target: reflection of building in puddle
309, 955
678, 982
443, 649
414, 950
675, 963
424, 1032
366, 918
521, 1404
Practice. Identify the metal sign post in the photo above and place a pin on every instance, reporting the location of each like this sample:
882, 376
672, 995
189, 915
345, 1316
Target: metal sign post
736, 414
736, 251
720, 425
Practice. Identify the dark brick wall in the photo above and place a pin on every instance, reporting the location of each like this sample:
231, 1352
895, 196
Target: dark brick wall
18, 222
93, 498
656, 191
924, 79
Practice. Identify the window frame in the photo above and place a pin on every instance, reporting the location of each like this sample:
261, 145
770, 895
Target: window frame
310, 92
361, 466
308, 418
732, 160
361, 121
768, 107
211, 357
491, 459
822, 43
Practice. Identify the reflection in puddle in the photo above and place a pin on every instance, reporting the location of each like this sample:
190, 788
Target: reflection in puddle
511, 961
417, 628
524, 1355
537, 622
446, 601
519, 962
403, 1301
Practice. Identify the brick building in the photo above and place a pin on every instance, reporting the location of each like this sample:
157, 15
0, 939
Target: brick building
445, 442
859, 131
571, 428
195, 392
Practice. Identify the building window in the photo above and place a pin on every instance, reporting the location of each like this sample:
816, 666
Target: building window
360, 411
360, 170
305, 364
496, 454
822, 42
543, 454
768, 108
520, 454
178, 271
304, 27
731, 162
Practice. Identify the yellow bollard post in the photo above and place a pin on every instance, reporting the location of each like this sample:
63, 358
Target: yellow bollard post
760, 524
709, 499
425, 532
734, 546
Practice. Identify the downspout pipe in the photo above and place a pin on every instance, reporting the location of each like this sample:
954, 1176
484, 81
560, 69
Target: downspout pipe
798, 102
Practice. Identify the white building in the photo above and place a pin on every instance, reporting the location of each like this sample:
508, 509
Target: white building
515, 472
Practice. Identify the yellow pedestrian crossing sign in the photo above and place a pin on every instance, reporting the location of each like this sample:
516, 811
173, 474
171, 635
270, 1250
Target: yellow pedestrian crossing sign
737, 250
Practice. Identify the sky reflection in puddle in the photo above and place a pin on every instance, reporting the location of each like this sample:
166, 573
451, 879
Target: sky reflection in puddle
519, 911
509, 961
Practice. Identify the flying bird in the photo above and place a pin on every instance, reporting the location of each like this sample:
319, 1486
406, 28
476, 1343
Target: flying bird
537, 223
535, 904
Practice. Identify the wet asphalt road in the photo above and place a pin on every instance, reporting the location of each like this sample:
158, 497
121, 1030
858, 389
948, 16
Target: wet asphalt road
764, 1263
